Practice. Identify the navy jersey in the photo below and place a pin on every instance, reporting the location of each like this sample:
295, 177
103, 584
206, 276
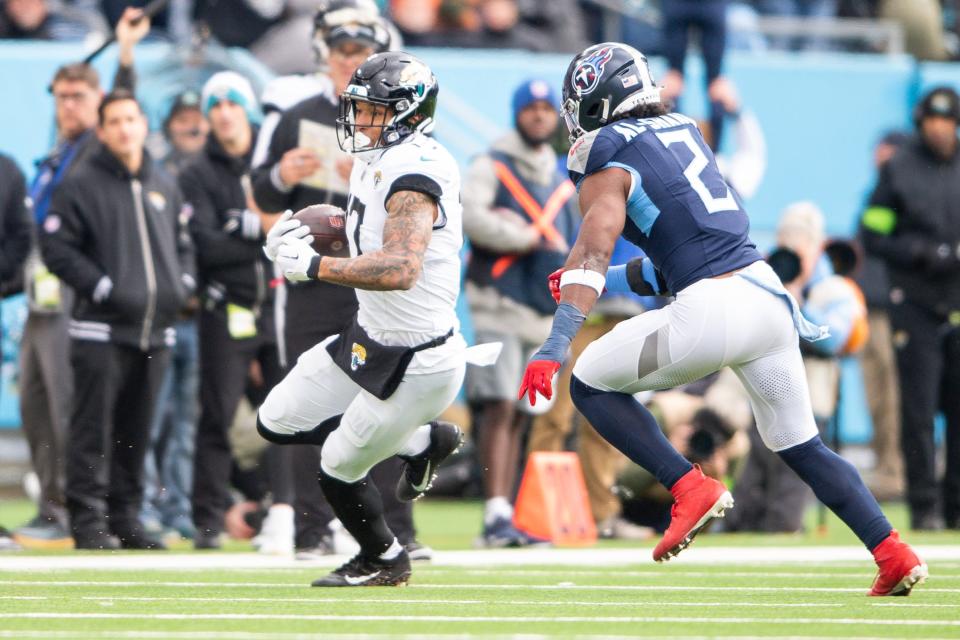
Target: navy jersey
680, 211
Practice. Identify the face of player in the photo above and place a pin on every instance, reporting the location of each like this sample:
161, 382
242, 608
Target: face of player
123, 132
229, 124
188, 130
537, 122
344, 60
76, 105
370, 118
940, 134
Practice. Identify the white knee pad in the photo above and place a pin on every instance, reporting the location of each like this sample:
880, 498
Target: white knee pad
340, 459
273, 413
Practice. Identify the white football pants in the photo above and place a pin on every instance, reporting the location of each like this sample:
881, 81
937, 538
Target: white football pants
371, 429
713, 323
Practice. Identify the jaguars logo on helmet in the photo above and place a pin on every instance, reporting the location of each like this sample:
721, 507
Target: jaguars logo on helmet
602, 81
396, 80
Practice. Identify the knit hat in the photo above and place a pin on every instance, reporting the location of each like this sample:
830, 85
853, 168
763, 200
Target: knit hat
188, 100
530, 91
229, 85
801, 222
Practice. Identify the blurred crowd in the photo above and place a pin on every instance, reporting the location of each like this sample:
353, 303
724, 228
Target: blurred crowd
151, 338
657, 27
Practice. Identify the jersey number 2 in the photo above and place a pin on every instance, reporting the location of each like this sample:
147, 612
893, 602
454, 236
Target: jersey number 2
695, 169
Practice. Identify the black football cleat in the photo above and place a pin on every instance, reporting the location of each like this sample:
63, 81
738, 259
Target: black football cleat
362, 571
419, 471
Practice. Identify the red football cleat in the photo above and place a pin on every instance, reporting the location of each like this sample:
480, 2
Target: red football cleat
697, 500
900, 568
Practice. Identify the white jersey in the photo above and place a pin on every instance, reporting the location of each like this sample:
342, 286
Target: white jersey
428, 309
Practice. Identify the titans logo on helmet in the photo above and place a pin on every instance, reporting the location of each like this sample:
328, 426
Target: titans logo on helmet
588, 72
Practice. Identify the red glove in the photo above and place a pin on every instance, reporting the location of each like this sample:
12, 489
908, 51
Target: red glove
553, 281
538, 378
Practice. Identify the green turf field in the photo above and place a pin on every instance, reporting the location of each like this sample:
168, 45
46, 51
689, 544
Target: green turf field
797, 594
638, 600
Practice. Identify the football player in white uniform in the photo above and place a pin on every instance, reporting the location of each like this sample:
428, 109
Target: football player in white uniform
372, 392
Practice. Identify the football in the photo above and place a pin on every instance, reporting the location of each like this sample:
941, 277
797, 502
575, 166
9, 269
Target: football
327, 225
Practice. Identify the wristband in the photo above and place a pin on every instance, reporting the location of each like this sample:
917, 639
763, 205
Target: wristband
586, 277
314, 269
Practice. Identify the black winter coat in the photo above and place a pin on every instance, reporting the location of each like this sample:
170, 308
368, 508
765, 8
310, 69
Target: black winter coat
14, 220
103, 221
230, 268
312, 307
913, 223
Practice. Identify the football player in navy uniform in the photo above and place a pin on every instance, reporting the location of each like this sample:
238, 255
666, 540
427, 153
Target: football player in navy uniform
647, 174
372, 391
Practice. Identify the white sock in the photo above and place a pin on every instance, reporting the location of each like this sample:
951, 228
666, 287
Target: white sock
392, 552
496, 508
417, 443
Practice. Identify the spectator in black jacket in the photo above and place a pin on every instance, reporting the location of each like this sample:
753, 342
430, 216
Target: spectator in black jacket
14, 223
116, 233
236, 318
46, 381
14, 220
913, 222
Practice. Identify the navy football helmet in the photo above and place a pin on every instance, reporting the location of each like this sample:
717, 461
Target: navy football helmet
603, 81
393, 79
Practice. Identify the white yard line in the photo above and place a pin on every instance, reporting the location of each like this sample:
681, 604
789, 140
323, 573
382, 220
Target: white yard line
252, 635
534, 587
868, 572
493, 619
561, 586
479, 559
431, 601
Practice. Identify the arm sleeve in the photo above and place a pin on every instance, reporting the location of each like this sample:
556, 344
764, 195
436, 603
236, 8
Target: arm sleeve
62, 247
484, 227
268, 191
745, 166
15, 238
267, 128
125, 78
214, 247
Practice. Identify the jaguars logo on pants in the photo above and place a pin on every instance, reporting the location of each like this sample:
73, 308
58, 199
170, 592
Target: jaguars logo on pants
358, 356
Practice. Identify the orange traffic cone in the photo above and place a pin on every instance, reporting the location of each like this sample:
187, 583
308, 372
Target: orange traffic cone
553, 503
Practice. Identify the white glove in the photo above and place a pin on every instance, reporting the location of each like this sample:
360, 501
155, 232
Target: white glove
286, 226
294, 256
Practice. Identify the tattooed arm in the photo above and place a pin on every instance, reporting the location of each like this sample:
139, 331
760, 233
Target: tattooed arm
603, 198
406, 234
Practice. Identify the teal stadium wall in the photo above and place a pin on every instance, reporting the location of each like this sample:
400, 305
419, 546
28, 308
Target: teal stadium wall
821, 115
